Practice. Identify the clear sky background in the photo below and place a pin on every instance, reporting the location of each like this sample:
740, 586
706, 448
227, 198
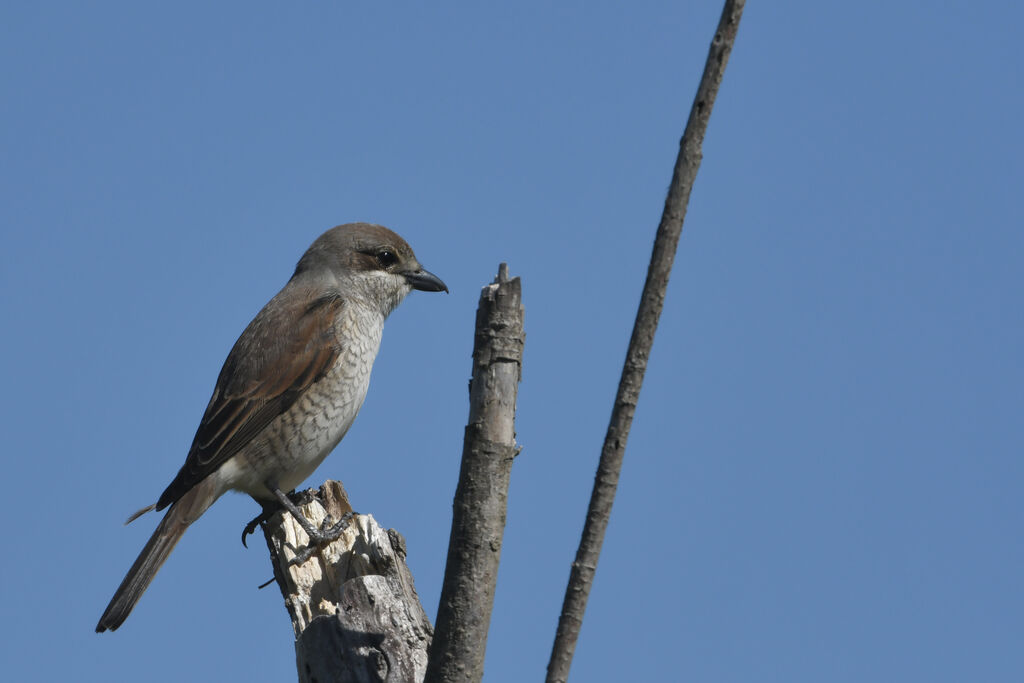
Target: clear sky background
824, 477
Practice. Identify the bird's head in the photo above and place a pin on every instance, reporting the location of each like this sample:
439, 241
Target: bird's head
368, 262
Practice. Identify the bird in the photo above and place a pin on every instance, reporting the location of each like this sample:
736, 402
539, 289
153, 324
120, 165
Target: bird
288, 391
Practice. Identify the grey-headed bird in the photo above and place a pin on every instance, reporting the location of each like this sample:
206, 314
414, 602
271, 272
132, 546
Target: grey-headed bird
289, 390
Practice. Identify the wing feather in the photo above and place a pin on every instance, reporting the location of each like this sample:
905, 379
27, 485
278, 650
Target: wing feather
287, 348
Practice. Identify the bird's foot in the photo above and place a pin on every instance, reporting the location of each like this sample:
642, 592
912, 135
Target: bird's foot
327, 533
270, 508
250, 528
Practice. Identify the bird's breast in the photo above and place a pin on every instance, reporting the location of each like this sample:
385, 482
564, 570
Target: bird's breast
295, 443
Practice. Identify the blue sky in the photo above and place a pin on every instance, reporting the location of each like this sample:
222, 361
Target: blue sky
823, 481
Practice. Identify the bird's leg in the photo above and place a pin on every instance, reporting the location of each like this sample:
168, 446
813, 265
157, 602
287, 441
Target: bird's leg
317, 537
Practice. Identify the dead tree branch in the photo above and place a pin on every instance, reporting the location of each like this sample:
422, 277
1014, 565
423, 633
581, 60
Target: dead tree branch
606, 481
478, 521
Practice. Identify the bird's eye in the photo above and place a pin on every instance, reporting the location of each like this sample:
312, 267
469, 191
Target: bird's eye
386, 258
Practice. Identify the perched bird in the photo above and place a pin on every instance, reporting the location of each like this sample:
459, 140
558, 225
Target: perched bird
289, 390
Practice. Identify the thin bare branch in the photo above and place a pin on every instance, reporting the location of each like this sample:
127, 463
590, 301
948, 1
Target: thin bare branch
606, 481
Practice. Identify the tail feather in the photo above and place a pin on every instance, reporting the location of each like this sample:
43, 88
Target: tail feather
135, 516
170, 530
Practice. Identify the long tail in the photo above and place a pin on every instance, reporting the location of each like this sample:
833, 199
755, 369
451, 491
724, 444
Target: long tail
170, 530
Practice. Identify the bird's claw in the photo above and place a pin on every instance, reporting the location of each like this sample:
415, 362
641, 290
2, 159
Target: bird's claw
250, 528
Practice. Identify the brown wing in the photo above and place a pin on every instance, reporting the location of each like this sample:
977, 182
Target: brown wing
287, 347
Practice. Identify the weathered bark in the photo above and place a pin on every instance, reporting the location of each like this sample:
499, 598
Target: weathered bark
666, 240
353, 606
478, 521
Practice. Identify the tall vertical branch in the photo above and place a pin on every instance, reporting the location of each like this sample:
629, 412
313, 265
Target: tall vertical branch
606, 481
478, 519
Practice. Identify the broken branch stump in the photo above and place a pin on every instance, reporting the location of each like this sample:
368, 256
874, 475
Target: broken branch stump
353, 605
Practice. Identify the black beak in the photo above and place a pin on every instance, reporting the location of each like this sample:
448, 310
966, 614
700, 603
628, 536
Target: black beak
425, 281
